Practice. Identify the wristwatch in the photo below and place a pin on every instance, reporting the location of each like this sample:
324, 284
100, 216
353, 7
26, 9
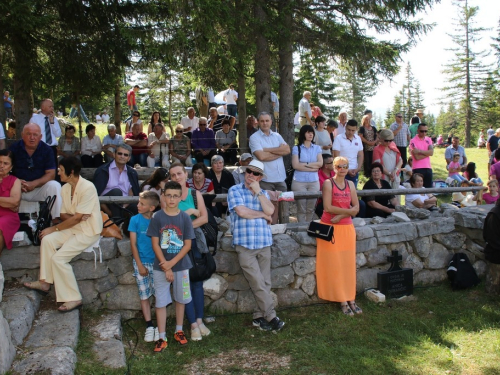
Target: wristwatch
260, 193
57, 229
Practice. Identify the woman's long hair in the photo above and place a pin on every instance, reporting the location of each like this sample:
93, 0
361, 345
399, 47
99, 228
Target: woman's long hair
471, 170
154, 180
153, 118
302, 133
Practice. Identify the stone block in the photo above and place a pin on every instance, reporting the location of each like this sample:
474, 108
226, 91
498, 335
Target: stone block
21, 258
480, 267
307, 251
21, 239
474, 234
414, 262
492, 282
429, 277
86, 270
20, 311
226, 243
394, 232
231, 296
281, 277
400, 248
283, 251
292, 297
468, 219
309, 284
365, 245
377, 256
363, 232
123, 297
438, 258
106, 283
297, 283
130, 314
360, 260
474, 248
223, 306
400, 217
127, 278
237, 282
435, 226
278, 229
124, 247
215, 287
422, 246
7, 348
51, 360
414, 213
304, 266
246, 302
358, 222
108, 250
88, 291
227, 262
303, 238
453, 240
366, 278
377, 220
110, 353
109, 327
48, 327
121, 265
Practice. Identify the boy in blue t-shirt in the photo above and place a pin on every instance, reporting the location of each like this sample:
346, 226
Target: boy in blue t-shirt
171, 233
144, 256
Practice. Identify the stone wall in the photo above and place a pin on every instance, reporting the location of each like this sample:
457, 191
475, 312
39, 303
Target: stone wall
425, 240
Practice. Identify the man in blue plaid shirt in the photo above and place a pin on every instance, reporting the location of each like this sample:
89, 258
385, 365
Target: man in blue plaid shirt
251, 212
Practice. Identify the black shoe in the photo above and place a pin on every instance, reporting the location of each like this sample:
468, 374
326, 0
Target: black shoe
262, 324
276, 324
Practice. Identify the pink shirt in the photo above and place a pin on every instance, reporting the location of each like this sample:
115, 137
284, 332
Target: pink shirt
117, 180
453, 165
489, 199
421, 144
342, 199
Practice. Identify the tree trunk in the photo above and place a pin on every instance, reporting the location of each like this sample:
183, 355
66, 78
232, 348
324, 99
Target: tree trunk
117, 111
242, 112
287, 128
2, 108
262, 64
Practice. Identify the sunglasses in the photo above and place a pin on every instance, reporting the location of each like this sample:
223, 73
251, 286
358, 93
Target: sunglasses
202, 124
388, 140
136, 115
256, 174
178, 131
343, 166
123, 154
399, 116
31, 165
422, 131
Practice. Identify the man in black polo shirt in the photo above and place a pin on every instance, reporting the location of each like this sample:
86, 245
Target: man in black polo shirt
34, 165
215, 120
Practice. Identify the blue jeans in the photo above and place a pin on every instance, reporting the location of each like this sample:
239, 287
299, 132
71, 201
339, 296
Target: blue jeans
194, 309
458, 178
427, 173
134, 108
232, 109
353, 179
141, 159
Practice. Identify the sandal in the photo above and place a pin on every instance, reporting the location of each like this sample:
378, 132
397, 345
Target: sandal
37, 287
346, 310
70, 306
355, 308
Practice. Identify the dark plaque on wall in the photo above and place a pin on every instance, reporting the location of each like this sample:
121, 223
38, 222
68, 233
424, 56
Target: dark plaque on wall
396, 281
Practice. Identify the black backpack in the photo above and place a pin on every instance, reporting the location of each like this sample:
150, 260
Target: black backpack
209, 229
44, 218
461, 273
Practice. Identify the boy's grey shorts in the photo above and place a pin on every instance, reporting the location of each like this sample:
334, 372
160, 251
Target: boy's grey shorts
181, 288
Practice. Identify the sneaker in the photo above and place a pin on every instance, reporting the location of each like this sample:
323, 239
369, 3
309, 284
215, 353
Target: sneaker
195, 334
204, 330
149, 336
157, 334
180, 337
262, 324
160, 345
276, 324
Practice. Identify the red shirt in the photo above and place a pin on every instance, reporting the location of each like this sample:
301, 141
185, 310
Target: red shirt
323, 177
135, 149
342, 199
131, 97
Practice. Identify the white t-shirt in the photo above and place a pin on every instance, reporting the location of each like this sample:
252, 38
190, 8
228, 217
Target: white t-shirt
274, 169
156, 148
416, 197
98, 119
348, 148
229, 96
2, 132
105, 118
323, 139
188, 122
129, 125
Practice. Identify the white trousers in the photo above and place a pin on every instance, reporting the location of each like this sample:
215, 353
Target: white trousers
39, 194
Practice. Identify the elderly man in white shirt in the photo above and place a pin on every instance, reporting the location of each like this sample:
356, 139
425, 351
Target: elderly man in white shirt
48, 124
158, 148
305, 112
190, 122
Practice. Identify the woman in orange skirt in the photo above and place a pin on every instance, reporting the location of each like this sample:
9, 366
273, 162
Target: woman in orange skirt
336, 262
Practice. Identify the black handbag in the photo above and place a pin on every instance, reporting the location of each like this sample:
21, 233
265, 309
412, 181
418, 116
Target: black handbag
203, 268
44, 218
210, 229
321, 231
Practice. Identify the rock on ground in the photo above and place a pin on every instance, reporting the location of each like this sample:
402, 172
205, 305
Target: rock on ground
48, 360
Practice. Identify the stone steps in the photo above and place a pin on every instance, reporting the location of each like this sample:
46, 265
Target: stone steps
108, 347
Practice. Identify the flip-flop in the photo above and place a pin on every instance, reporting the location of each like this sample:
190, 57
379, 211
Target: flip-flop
346, 310
70, 306
355, 308
37, 287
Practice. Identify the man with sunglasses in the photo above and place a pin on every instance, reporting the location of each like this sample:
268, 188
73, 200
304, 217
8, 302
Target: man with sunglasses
35, 166
349, 145
117, 179
402, 136
135, 119
251, 211
421, 149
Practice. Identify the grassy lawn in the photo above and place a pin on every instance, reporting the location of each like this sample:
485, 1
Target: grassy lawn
438, 332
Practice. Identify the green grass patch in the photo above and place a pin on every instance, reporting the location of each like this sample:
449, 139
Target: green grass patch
440, 332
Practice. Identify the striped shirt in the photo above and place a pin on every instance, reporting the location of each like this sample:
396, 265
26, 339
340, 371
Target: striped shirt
401, 139
249, 233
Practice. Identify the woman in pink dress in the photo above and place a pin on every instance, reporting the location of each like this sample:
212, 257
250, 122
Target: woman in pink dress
10, 196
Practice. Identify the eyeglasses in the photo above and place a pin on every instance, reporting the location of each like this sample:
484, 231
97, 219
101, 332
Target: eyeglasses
170, 196
136, 115
256, 174
330, 162
399, 116
178, 131
423, 131
202, 124
388, 140
343, 166
123, 154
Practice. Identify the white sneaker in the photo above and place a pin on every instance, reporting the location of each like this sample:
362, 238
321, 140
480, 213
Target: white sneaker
204, 330
195, 334
150, 334
157, 334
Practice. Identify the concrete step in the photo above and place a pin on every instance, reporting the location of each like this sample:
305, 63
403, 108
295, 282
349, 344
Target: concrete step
108, 346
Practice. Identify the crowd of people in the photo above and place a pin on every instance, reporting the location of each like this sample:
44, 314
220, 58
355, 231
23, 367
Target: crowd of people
166, 223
